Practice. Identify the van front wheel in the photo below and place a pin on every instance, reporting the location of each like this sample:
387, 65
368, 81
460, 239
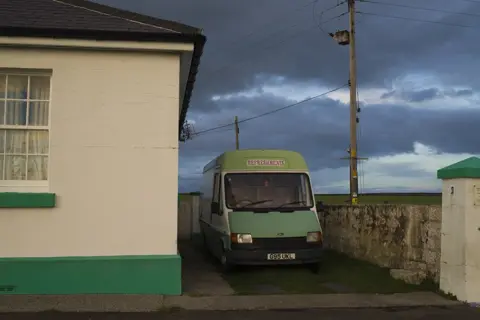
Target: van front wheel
225, 264
315, 267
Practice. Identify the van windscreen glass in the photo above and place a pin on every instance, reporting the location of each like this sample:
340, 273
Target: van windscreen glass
283, 191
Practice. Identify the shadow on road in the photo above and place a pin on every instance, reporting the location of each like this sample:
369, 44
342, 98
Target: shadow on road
425, 313
200, 276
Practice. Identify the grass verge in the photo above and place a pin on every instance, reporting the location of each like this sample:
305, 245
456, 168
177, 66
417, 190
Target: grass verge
339, 274
412, 199
369, 198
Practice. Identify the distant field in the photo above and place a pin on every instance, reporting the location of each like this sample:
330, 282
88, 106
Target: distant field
184, 196
374, 198
379, 198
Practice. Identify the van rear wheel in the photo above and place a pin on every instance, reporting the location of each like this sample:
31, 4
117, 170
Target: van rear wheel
205, 247
204, 242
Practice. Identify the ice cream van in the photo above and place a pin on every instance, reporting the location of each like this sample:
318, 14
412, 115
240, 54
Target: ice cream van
258, 208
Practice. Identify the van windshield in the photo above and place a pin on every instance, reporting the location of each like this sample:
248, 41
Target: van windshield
268, 190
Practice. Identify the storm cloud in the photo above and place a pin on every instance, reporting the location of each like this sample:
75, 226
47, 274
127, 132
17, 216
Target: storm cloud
418, 83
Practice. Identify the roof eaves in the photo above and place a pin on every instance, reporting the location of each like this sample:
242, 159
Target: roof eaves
171, 26
197, 54
99, 35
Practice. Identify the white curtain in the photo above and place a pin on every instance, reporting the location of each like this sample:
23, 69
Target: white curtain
24, 152
39, 101
16, 114
15, 155
2, 153
38, 113
37, 164
3, 82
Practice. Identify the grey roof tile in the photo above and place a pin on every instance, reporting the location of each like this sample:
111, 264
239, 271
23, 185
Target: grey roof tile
82, 15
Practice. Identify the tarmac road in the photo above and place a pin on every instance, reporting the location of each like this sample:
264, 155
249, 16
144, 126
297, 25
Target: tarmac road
433, 313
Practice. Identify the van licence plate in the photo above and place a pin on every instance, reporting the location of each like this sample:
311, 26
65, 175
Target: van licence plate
281, 256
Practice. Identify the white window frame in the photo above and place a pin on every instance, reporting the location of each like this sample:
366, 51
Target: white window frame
27, 185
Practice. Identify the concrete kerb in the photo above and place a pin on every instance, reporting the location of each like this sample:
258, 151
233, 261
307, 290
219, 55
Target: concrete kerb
81, 303
147, 303
279, 302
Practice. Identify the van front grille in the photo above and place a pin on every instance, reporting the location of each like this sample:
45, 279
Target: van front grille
279, 244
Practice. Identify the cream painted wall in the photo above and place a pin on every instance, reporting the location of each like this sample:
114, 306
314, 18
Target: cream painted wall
460, 257
113, 156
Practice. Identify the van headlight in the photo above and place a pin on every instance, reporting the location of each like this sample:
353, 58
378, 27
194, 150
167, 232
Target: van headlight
242, 238
314, 236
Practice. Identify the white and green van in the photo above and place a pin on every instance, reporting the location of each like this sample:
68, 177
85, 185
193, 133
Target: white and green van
257, 207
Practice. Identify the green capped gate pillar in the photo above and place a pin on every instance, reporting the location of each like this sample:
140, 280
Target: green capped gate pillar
460, 239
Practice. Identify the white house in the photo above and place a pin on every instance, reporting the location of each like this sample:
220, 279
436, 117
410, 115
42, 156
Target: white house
92, 102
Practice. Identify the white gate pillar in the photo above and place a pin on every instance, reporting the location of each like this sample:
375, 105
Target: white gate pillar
460, 252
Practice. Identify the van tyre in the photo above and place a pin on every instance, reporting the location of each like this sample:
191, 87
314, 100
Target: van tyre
204, 243
226, 266
206, 248
315, 267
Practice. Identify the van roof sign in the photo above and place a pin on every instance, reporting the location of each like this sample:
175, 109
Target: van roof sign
266, 162
255, 160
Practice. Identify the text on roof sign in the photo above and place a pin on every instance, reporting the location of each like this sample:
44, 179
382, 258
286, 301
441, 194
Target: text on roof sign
265, 162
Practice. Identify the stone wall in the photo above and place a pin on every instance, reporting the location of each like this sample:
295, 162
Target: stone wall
404, 238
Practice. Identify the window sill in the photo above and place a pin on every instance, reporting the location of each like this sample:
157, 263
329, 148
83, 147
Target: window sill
27, 200
21, 186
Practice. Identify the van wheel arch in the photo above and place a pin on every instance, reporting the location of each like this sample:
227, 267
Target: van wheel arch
225, 265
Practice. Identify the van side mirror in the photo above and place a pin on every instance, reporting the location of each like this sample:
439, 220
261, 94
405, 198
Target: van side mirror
215, 208
320, 206
322, 209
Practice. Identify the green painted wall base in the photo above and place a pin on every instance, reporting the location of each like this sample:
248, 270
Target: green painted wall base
92, 275
27, 200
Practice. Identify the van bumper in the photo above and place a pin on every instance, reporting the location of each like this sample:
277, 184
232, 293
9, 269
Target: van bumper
259, 256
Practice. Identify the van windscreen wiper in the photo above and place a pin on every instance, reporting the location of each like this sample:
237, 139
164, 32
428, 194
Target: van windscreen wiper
293, 202
254, 203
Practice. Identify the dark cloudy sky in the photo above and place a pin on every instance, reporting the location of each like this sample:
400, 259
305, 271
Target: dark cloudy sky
418, 85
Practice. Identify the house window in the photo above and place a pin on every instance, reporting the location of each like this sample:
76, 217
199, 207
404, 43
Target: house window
24, 127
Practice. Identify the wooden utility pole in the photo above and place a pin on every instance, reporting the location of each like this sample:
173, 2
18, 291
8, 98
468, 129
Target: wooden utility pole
353, 107
347, 37
237, 131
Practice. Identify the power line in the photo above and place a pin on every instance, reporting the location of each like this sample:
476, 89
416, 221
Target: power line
262, 40
332, 7
319, 22
337, 16
271, 35
360, 138
289, 13
418, 20
419, 8
315, 2
272, 111
219, 131
273, 44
